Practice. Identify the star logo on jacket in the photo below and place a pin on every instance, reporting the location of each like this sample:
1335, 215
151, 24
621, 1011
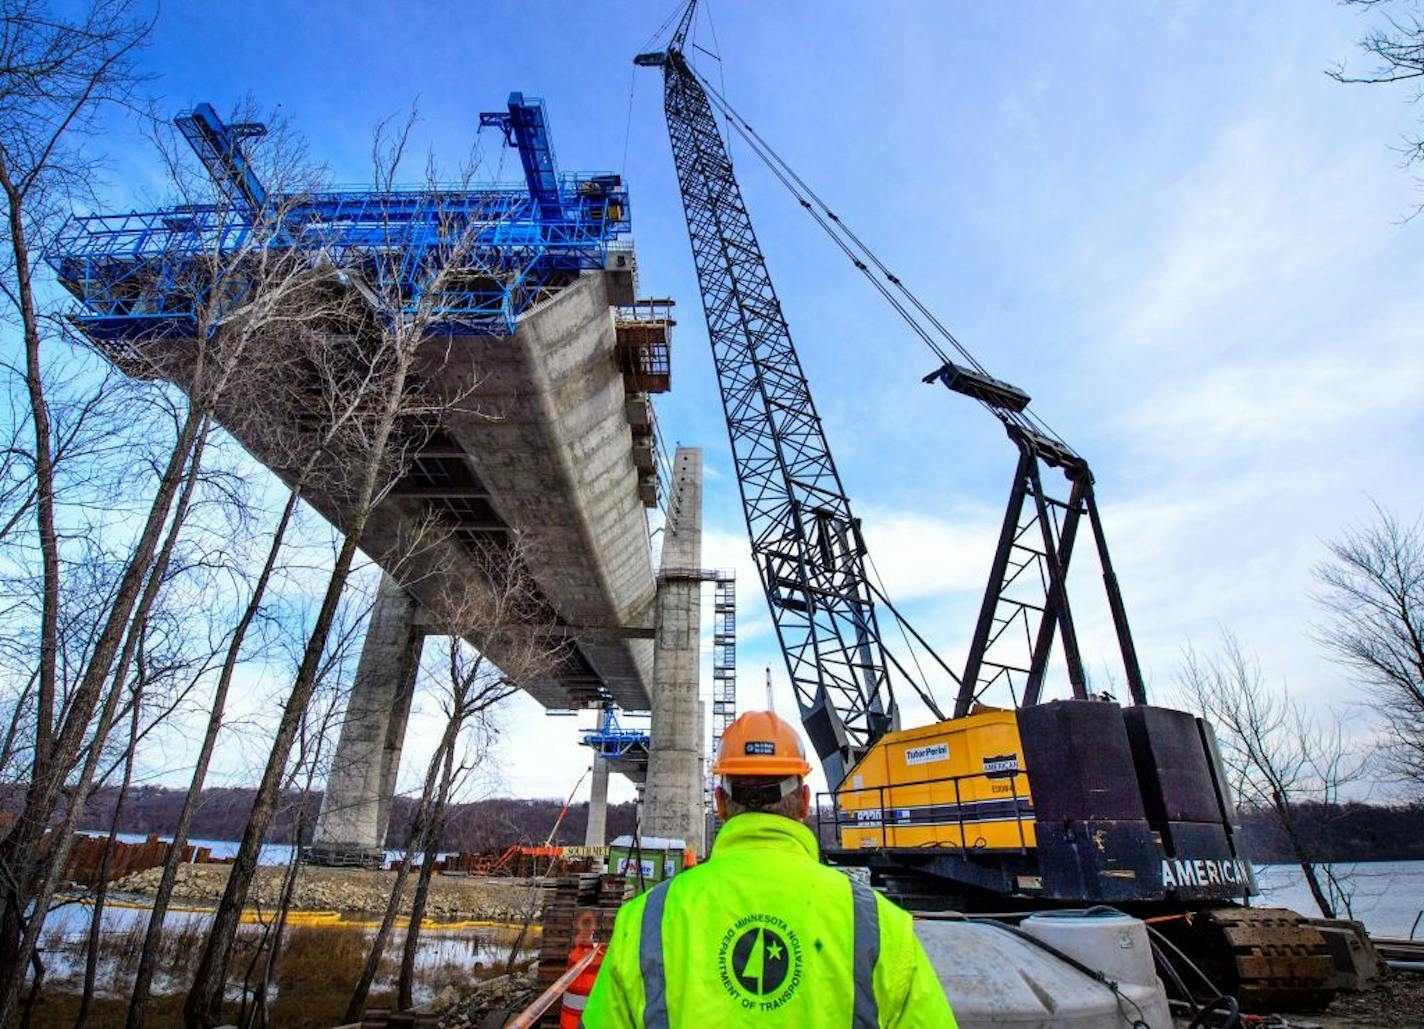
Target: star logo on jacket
759, 962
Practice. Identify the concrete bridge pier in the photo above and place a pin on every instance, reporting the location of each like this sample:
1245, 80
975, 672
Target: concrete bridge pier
596, 835
674, 804
356, 809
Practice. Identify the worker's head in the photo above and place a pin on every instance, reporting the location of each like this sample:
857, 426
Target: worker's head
762, 765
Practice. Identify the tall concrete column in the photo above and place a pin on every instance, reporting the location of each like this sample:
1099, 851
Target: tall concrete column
356, 809
675, 754
597, 833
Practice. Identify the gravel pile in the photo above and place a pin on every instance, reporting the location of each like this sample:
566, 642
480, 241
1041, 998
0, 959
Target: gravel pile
351, 890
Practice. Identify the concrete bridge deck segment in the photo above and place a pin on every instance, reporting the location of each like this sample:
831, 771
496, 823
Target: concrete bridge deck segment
549, 437
540, 446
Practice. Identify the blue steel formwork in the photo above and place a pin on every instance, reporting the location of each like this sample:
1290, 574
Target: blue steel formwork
132, 273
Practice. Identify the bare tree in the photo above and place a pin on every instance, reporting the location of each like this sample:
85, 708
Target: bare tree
314, 741
505, 609
368, 369
1396, 49
153, 937
78, 788
1278, 754
242, 292
56, 73
1372, 586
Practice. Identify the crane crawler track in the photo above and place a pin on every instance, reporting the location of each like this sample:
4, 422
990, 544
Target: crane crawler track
1278, 961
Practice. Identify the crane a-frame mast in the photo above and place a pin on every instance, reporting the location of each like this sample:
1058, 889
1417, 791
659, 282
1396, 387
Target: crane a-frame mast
805, 540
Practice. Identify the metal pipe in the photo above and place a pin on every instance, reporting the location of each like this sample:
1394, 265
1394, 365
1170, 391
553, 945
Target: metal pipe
545, 1000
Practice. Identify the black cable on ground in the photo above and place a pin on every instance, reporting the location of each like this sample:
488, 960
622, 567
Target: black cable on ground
1166, 965
1224, 1003
1215, 990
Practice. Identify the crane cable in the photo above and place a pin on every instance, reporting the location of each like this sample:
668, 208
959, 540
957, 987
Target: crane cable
788, 176
890, 286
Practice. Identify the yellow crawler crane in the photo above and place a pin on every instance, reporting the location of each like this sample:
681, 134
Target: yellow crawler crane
1039, 802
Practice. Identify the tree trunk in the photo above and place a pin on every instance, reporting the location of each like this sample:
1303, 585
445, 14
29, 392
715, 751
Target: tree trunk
405, 986
261, 1002
1302, 855
44, 476
153, 938
96, 921
203, 1007
204, 1003
355, 1010
19, 851
44, 875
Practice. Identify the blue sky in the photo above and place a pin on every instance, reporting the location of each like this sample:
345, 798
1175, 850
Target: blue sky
1161, 219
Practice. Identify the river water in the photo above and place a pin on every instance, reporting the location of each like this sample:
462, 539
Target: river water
446, 956
1388, 896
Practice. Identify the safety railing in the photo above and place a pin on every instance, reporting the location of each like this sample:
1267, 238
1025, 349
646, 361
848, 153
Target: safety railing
890, 818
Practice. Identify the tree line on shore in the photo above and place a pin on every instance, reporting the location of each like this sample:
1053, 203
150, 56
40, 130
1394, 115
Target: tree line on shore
1351, 831
475, 826
1340, 832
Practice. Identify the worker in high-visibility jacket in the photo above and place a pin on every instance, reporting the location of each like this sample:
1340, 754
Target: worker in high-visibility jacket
762, 933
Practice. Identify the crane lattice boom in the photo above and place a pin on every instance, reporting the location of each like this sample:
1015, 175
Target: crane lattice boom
805, 541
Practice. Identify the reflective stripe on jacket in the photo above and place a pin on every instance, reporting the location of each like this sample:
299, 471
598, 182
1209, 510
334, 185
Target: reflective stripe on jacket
763, 934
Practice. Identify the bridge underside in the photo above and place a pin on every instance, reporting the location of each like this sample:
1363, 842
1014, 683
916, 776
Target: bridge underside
539, 447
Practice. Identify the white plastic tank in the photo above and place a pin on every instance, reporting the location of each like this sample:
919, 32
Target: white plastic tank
996, 978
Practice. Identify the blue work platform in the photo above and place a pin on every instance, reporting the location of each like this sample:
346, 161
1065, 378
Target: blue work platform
134, 274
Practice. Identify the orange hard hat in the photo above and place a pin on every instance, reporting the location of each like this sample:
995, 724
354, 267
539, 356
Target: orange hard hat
761, 743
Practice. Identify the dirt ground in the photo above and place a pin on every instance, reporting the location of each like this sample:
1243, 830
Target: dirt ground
355, 891
1393, 999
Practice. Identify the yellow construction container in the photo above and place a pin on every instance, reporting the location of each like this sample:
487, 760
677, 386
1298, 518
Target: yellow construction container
957, 783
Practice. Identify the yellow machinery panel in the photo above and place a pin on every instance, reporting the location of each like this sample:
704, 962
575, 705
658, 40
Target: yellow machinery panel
959, 783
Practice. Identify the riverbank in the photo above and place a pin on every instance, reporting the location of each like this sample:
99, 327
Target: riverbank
319, 962
354, 891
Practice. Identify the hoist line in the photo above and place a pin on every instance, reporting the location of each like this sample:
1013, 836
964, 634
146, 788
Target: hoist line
855, 248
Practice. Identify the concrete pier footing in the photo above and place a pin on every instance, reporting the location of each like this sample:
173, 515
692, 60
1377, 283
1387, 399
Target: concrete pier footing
674, 797
356, 809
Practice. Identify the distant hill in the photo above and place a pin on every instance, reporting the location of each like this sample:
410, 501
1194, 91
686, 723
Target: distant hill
483, 825
1341, 832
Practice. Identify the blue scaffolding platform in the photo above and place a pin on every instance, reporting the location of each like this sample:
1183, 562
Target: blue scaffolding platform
132, 273
612, 742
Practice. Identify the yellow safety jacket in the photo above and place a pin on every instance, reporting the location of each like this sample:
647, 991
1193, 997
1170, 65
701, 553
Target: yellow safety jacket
763, 934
